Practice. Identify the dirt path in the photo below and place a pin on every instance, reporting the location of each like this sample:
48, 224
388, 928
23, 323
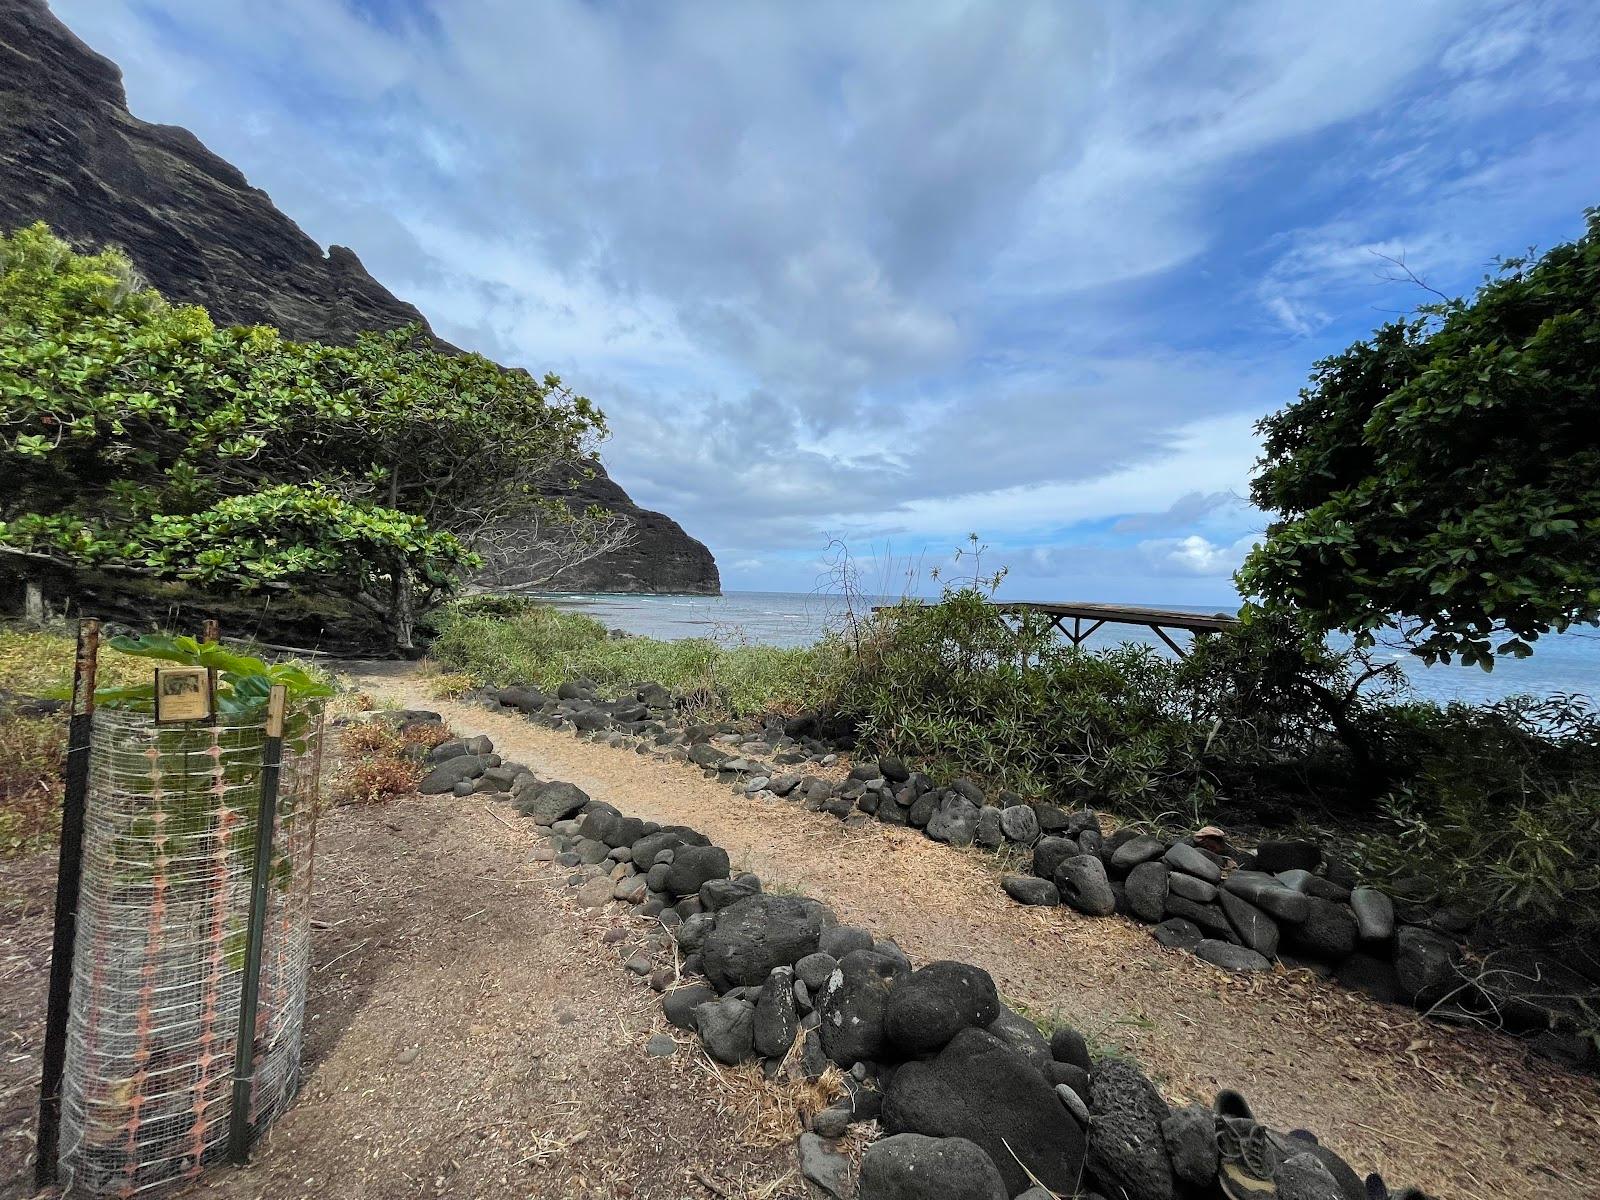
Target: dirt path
469, 1035
1463, 1113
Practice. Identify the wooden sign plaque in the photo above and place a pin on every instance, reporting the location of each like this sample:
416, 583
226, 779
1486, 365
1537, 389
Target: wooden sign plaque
183, 694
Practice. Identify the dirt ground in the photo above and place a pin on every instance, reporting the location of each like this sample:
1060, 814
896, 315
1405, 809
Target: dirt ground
1464, 1113
469, 1034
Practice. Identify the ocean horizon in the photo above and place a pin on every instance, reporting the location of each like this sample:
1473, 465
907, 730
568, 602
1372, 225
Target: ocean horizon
1566, 663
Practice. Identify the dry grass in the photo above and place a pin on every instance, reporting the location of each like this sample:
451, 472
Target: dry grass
773, 1112
31, 749
39, 663
377, 763
450, 685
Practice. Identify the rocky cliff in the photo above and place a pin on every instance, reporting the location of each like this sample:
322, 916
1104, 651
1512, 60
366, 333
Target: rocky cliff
72, 155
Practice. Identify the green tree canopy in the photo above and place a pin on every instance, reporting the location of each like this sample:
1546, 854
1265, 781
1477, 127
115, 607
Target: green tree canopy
1442, 477
134, 434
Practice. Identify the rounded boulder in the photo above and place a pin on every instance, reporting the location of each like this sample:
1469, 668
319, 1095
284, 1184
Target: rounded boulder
853, 1005
1083, 884
980, 1089
913, 1166
756, 934
938, 1002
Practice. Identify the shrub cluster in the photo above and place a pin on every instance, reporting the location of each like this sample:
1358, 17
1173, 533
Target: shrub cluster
1498, 812
378, 762
952, 685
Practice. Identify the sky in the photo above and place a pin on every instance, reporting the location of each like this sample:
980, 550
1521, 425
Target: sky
895, 273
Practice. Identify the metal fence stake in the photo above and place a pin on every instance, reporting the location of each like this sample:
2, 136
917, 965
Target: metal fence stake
69, 874
260, 881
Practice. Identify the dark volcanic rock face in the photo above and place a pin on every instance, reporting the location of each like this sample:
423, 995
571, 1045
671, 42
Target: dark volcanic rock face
73, 156
662, 558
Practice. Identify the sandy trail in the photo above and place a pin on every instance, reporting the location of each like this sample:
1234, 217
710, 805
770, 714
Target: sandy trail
1462, 1113
468, 1035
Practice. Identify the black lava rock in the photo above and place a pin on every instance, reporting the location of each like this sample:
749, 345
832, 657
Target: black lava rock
1126, 1149
938, 1002
1083, 884
727, 1027
551, 802
980, 1089
912, 1166
693, 866
853, 1005
776, 1018
1067, 1045
680, 1004
1147, 891
1050, 853
1328, 932
760, 933
1236, 959
1028, 889
1177, 934
1425, 963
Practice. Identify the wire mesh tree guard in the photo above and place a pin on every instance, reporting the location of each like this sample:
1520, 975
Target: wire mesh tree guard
164, 929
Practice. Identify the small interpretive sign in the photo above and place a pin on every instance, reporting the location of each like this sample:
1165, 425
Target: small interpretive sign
182, 694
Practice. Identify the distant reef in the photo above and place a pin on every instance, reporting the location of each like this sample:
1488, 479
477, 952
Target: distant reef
72, 155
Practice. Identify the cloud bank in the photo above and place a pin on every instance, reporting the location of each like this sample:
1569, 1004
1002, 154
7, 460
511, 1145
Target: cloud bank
896, 272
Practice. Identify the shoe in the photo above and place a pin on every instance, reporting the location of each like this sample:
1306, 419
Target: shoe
1250, 1153
1248, 1150
1231, 1104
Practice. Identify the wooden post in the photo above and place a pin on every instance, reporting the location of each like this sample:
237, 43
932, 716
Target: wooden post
260, 880
69, 873
210, 635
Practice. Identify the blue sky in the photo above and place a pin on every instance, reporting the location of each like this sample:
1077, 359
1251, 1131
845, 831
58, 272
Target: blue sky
898, 272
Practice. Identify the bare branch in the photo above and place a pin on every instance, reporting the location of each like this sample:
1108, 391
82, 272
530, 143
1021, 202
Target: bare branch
1407, 275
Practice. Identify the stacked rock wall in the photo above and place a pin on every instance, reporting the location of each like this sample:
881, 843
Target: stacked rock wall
1239, 909
974, 1101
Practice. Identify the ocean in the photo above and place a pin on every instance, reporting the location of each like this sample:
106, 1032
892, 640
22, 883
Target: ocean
1567, 662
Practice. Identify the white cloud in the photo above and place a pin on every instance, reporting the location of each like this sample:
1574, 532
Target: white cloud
1195, 555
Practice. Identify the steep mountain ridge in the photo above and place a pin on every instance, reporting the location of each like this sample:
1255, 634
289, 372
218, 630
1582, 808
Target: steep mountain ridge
71, 154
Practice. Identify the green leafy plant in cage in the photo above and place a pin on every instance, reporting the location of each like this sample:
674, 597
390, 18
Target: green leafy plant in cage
243, 687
